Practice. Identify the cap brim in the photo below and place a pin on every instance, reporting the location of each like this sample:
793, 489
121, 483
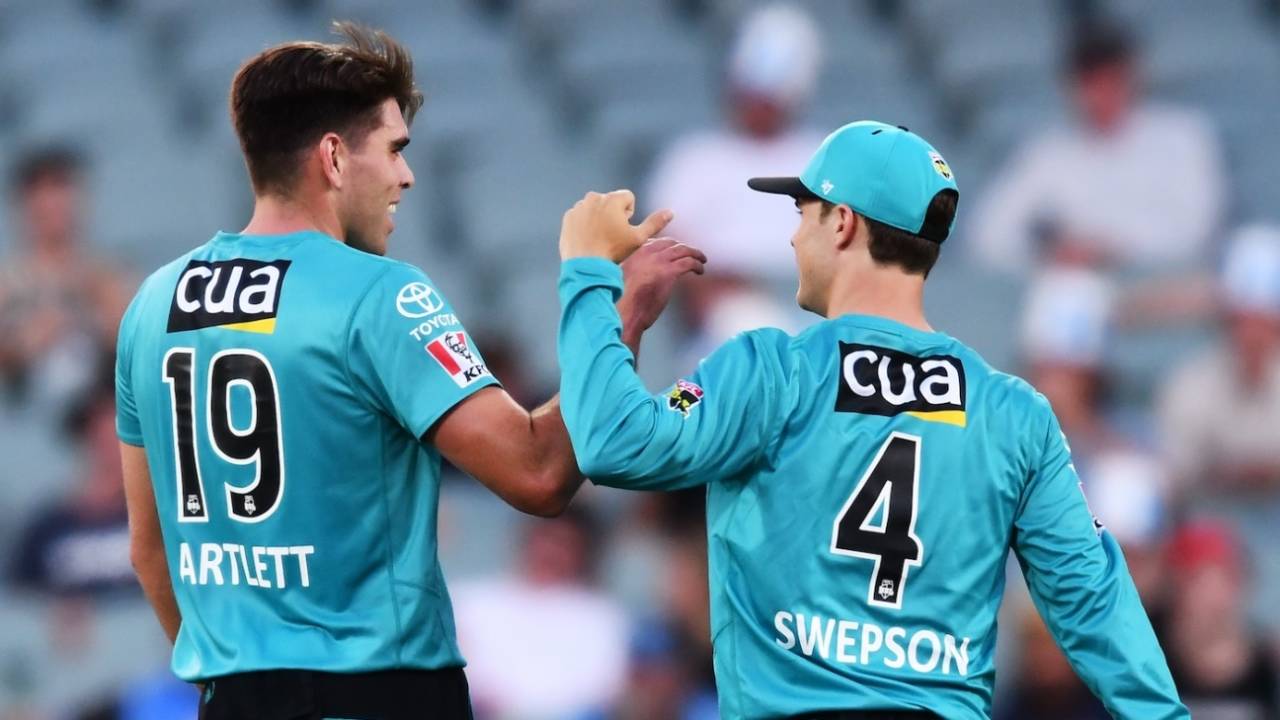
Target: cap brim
781, 186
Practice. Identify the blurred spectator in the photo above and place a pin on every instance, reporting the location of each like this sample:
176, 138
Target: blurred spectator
1129, 183
773, 66
157, 697
545, 641
1128, 492
1223, 669
59, 309
659, 684
1220, 411
80, 546
1065, 327
1047, 687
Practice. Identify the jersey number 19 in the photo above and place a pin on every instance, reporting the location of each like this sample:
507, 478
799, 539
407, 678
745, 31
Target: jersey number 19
257, 445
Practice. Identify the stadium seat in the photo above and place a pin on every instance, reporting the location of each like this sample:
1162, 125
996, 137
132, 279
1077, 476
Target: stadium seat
981, 319
211, 45
158, 199
956, 40
511, 197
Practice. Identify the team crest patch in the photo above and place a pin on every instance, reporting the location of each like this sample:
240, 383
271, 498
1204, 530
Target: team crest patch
684, 396
454, 353
940, 165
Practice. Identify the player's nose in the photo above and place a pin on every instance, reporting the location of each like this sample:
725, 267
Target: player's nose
406, 176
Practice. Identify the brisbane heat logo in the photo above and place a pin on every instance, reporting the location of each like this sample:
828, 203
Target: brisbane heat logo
882, 381
233, 294
684, 396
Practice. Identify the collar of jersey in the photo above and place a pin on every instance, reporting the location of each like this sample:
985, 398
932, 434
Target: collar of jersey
224, 236
893, 327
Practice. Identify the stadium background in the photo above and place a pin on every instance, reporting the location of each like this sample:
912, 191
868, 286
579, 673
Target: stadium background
119, 156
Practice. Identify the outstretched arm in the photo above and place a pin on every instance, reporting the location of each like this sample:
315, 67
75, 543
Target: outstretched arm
526, 457
1081, 585
711, 426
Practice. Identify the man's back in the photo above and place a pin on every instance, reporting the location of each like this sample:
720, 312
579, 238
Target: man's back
866, 481
869, 541
280, 386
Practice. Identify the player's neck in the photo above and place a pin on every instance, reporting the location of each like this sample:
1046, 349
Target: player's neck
274, 215
881, 292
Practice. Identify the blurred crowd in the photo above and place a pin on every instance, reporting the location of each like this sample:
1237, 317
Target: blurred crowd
1103, 251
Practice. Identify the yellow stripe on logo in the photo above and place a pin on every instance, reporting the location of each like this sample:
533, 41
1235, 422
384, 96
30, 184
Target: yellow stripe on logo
951, 417
266, 327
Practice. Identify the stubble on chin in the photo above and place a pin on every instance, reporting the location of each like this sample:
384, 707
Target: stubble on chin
363, 244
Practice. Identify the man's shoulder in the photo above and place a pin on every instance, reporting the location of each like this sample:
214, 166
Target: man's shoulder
1001, 393
765, 343
1170, 122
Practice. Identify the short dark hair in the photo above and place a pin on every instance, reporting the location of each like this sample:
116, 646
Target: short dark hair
1098, 43
287, 97
52, 162
904, 249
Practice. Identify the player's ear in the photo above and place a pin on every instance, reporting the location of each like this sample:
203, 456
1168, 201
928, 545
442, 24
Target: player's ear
846, 226
333, 158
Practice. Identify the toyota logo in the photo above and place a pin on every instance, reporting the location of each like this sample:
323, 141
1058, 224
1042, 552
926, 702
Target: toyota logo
418, 300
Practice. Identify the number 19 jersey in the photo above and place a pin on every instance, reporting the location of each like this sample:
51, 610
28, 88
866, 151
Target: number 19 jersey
281, 387
865, 483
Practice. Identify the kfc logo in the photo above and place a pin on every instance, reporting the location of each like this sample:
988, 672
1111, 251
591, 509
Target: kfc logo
455, 354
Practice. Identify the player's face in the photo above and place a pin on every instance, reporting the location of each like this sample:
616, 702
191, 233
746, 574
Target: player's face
1104, 95
378, 176
814, 243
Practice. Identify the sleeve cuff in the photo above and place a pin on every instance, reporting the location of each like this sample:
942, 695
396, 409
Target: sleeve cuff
130, 439
591, 272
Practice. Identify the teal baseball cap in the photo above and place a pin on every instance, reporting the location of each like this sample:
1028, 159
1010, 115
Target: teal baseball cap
886, 173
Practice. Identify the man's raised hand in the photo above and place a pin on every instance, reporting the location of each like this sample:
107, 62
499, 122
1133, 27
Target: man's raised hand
599, 225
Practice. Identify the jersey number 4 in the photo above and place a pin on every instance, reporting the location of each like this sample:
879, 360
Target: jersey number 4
257, 445
888, 490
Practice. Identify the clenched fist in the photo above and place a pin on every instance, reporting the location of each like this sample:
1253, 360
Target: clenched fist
599, 225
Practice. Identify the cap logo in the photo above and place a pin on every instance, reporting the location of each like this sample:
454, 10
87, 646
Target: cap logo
940, 165
827, 187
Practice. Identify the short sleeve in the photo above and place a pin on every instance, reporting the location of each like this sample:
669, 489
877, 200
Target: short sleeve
128, 426
408, 353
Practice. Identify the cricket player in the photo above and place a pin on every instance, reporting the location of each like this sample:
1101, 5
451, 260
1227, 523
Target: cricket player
866, 478
285, 396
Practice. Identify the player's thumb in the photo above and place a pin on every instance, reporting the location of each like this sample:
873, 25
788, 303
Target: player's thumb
653, 224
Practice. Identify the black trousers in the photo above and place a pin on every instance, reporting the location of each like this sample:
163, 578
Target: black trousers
308, 695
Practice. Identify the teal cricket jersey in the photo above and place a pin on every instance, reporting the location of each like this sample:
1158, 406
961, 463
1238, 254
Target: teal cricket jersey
281, 386
865, 482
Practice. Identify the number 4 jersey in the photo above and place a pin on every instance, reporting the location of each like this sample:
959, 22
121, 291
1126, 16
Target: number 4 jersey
281, 386
865, 483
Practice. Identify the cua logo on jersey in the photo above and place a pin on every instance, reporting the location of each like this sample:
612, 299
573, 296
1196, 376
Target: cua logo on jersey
454, 353
684, 396
882, 381
234, 294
